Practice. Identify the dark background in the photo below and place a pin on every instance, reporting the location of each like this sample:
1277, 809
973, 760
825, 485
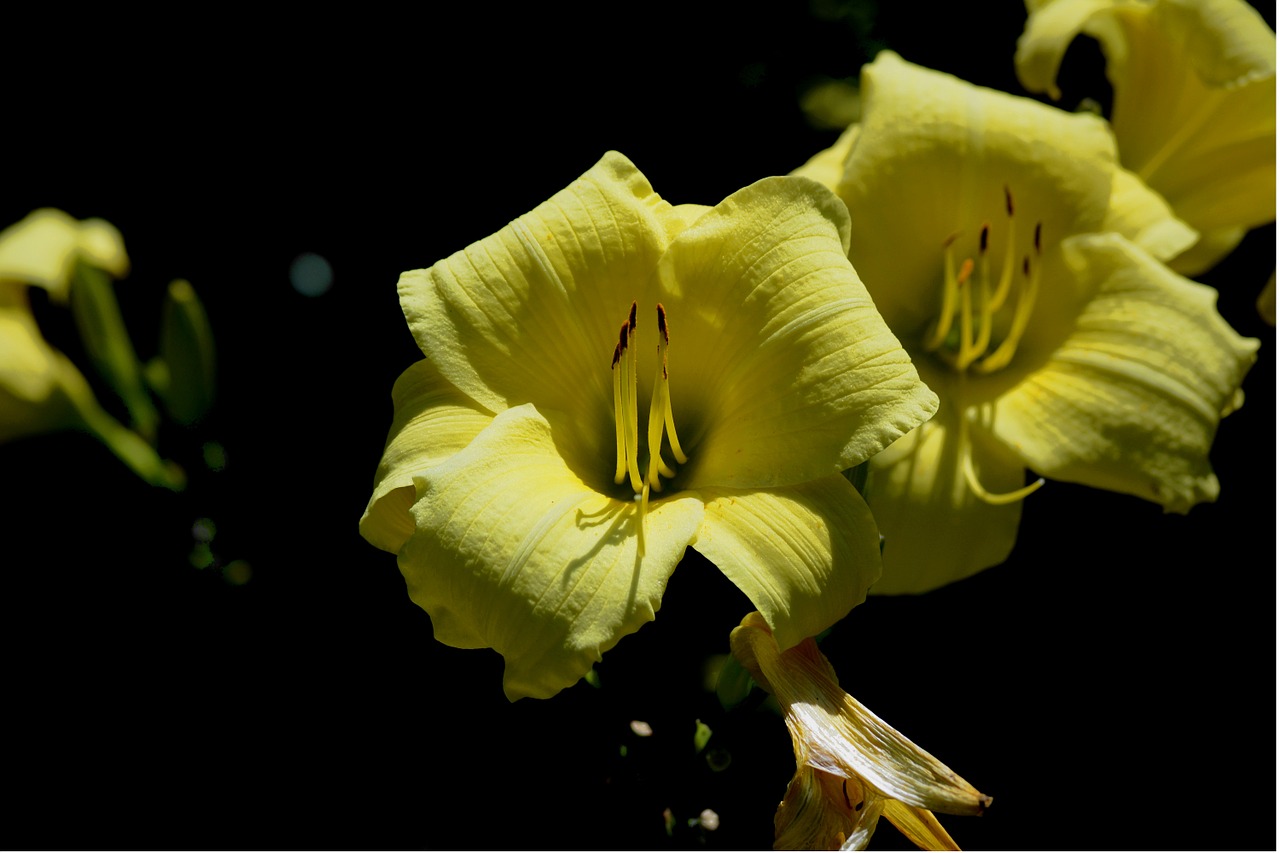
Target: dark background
1112, 685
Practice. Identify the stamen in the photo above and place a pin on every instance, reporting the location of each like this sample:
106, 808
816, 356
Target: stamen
971, 477
1021, 316
943, 327
1006, 265
624, 404
664, 340
965, 353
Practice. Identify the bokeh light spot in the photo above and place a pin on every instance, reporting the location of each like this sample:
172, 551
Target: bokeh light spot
310, 274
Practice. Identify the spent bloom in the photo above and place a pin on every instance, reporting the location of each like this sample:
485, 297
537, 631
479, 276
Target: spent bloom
1194, 110
1009, 252
852, 768
537, 504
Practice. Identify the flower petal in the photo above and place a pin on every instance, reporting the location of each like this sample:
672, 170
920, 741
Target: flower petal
1132, 400
1142, 215
1051, 26
515, 553
803, 554
782, 369
825, 812
934, 160
827, 166
1194, 103
936, 529
834, 732
43, 248
531, 313
433, 420
919, 826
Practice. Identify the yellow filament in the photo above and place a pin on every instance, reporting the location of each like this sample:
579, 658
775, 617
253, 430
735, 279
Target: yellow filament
619, 418
1022, 315
971, 478
657, 406
934, 340
644, 510
1006, 270
632, 416
965, 353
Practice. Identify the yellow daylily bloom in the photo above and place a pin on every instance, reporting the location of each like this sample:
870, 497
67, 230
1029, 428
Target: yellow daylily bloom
1194, 115
40, 389
852, 768
1004, 247
536, 509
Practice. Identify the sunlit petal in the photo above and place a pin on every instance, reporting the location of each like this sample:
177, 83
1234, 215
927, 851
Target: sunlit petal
779, 338
1131, 401
433, 420
514, 552
804, 554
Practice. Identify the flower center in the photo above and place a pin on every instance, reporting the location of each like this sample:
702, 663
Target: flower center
980, 331
626, 416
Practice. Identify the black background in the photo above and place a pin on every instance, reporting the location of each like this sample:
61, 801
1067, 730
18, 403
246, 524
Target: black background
1112, 685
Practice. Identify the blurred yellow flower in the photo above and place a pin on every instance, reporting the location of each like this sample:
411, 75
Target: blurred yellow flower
1004, 247
852, 768
533, 510
1194, 110
40, 389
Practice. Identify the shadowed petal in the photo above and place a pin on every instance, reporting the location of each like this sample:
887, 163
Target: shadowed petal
936, 529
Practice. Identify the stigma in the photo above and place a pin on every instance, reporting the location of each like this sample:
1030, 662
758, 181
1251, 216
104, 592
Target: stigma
985, 313
626, 415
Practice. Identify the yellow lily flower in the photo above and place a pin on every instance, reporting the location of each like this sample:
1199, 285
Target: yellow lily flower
1194, 115
852, 768
994, 234
40, 389
534, 510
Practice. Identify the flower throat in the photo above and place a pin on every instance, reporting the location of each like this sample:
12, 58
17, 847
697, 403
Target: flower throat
980, 332
626, 415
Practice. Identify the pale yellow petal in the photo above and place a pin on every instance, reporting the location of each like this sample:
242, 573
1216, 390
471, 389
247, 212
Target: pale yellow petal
1050, 28
43, 248
803, 554
936, 529
432, 421
781, 368
827, 166
934, 159
514, 552
531, 313
1131, 401
1145, 218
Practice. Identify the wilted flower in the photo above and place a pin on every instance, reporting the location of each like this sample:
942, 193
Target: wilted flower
1194, 110
852, 768
534, 510
991, 232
